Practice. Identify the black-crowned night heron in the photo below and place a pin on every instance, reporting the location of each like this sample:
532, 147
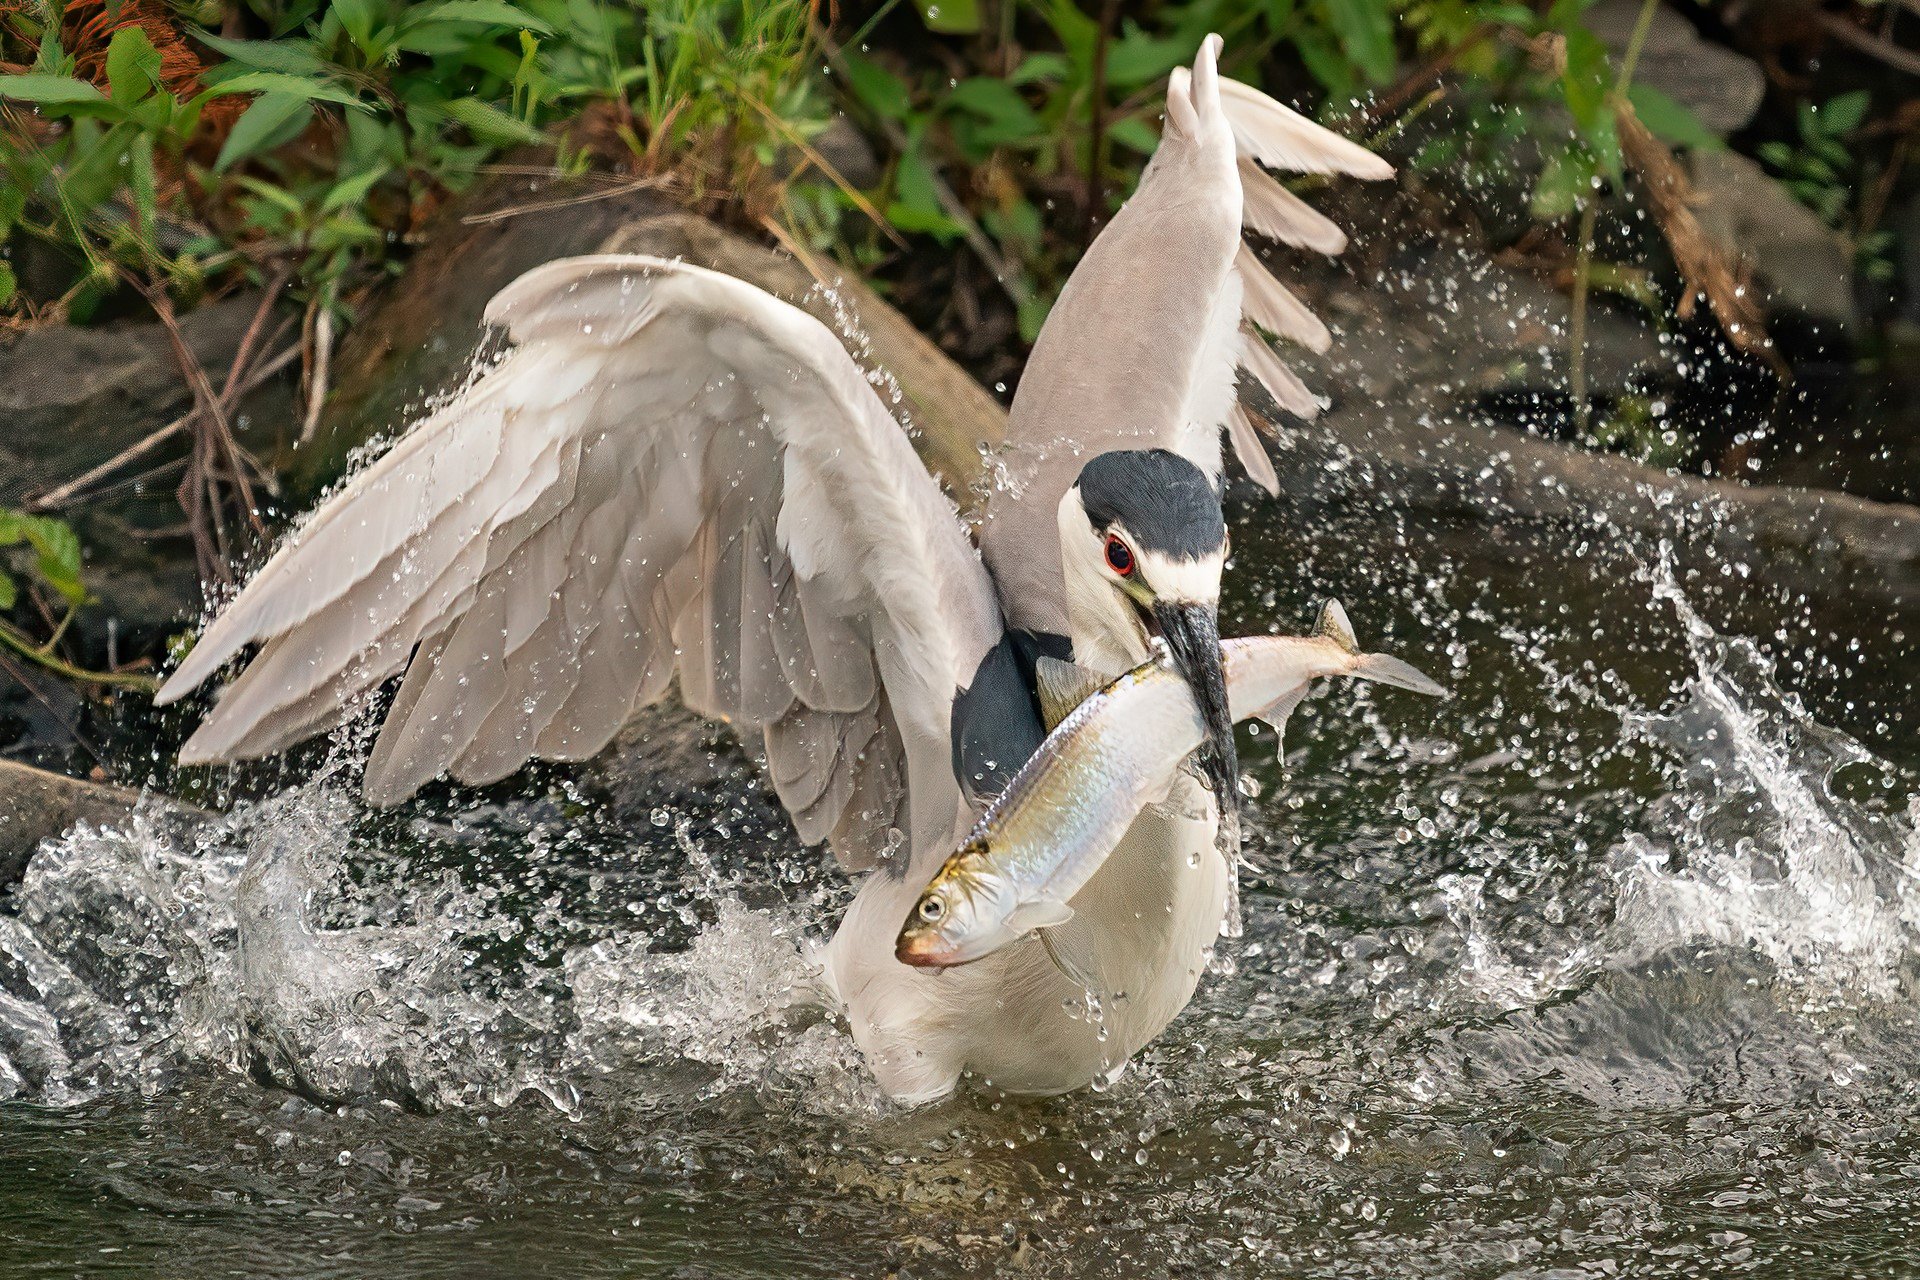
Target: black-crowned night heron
672, 473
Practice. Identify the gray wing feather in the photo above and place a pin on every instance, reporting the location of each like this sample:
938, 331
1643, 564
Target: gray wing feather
1252, 454
1269, 209
671, 473
1281, 382
1272, 305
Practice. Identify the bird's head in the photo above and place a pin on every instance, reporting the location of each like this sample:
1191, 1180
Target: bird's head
1142, 545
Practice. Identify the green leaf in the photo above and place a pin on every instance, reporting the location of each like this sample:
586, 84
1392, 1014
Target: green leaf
1008, 117
1668, 120
1584, 82
918, 207
8, 592
1562, 185
1565, 14
1840, 116
140, 185
1365, 31
133, 66
1326, 63
358, 19
50, 91
272, 119
488, 122
352, 190
1138, 58
1040, 66
289, 57
951, 17
279, 197
878, 89
8, 285
1032, 314
1135, 134
492, 13
56, 551
442, 40
297, 86
13, 204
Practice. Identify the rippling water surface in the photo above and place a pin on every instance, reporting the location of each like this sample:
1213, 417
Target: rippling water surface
1605, 966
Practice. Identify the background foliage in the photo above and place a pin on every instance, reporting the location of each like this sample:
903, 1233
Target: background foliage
155, 154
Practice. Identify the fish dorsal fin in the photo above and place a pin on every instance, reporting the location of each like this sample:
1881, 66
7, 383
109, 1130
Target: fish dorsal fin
1062, 686
1333, 625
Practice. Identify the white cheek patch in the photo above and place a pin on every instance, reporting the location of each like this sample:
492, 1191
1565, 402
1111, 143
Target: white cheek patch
1181, 581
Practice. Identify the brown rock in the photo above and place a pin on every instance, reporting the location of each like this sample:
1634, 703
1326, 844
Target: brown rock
36, 805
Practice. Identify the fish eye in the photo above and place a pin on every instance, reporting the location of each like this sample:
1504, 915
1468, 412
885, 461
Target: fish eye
1119, 556
931, 909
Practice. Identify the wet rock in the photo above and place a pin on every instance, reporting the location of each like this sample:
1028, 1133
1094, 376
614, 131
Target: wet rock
1441, 325
1423, 332
1799, 262
36, 805
72, 398
1721, 88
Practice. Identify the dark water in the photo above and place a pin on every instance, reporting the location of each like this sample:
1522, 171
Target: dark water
1604, 967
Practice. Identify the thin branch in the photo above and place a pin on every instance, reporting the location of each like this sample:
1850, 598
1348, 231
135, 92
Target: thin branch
825, 166
1873, 46
565, 202
23, 644
214, 452
1589, 216
322, 360
1415, 85
79, 486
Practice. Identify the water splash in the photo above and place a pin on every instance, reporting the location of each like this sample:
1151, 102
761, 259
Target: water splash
260, 941
1754, 847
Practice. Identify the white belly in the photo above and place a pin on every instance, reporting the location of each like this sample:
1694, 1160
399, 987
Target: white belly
1013, 1019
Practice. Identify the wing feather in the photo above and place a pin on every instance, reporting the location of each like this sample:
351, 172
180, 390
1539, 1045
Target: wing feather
1251, 452
1281, 382
670, 473
1281, 138
1273, 307
1269, 209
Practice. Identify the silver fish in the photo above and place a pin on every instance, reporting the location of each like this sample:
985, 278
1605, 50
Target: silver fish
1115, 752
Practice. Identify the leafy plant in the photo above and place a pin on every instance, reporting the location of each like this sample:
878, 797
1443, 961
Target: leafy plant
54, 580
1823, 173
326, 138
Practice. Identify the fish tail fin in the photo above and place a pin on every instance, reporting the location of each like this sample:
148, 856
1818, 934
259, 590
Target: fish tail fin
1334, 626
1383, 669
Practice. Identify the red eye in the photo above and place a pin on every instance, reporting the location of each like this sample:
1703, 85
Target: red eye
1119, 557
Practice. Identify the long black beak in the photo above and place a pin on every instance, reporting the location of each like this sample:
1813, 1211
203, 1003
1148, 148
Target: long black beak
1192, 633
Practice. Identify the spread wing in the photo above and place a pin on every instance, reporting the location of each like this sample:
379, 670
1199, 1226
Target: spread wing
671, 473
1141, 348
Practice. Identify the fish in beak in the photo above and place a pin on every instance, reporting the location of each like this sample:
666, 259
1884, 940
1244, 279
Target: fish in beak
1191, 631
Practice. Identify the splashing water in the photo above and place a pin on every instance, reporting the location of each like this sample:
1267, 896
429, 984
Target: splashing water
161, 945
1555, 979
1756, 848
